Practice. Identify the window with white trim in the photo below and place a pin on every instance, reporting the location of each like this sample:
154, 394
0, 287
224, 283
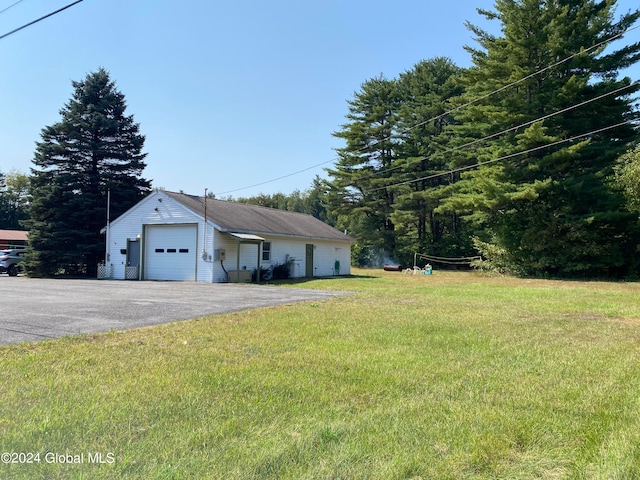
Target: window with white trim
266, 251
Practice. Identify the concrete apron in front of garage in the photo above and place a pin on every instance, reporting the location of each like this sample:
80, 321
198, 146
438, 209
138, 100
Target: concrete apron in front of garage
42, 309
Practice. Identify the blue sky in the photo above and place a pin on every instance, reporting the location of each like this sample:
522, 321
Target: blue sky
228, 94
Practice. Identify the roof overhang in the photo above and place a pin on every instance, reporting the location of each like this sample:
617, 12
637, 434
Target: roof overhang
246, 237
345, 239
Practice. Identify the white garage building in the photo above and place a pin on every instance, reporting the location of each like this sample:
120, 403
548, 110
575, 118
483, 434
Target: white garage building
174, 236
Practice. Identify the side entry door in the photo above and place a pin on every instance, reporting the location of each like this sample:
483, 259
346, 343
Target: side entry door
308, 262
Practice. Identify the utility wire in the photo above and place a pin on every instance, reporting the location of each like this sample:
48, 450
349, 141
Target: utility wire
12, 5
505, 157
497, 134
39, 19
493, 93
275, 179
517, 82
446, 151
482, 97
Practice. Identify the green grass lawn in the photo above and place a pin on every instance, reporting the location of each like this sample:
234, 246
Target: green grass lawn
448, 376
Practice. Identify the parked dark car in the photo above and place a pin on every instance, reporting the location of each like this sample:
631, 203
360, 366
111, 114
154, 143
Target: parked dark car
10, 261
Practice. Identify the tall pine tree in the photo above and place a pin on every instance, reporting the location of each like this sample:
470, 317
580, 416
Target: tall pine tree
551, 211
358, 191
93, 149
425, 93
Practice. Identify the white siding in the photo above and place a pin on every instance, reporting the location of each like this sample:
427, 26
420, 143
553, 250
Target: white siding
289, 250
205, 255
222, 241
151, 211
249, 256
325, 254
156, 209
248, 259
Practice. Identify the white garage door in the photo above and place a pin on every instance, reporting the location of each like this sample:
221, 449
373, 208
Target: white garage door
170, 252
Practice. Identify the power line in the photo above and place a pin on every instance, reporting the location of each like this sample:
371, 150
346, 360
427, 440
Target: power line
482, 97
497, 134
493, 93
517, 82
39, 19
275, 179
12, 5
505, 157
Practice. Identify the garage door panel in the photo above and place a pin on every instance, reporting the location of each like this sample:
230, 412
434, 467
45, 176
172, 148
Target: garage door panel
170, 252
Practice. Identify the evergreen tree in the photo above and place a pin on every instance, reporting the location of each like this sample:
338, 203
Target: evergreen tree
552, 210
312, 201
425, 92
358, 194
93, 149
317, 201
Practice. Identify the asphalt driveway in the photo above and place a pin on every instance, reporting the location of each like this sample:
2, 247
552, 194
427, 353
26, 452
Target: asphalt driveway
42, 309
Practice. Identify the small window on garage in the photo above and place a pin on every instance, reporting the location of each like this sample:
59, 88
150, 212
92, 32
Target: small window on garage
266, 251
159, 250
184, 250
171, 250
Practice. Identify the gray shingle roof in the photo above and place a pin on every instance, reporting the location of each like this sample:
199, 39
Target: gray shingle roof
244, 218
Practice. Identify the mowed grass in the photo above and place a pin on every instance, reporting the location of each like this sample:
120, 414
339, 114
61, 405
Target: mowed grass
449, 376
